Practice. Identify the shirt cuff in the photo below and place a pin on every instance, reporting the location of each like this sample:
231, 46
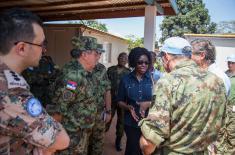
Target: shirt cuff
150, 134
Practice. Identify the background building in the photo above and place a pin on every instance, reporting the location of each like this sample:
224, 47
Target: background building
59, 42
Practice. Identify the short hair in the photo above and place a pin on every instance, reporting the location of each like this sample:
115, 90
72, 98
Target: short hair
136, 53
16, 25
206, 46
122, 54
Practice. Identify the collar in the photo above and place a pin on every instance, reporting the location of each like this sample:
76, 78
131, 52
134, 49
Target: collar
185, 63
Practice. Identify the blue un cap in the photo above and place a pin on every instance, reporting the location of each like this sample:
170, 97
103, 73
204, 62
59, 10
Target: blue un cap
176, 46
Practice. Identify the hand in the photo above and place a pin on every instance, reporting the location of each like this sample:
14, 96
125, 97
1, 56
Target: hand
143, 107
146, 146
133, 114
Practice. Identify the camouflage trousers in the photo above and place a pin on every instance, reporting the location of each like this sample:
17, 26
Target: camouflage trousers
79, 142
96, 140
120, 120
225, 144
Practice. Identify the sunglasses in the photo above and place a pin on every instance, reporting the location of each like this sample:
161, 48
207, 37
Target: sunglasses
229, 62
142, 62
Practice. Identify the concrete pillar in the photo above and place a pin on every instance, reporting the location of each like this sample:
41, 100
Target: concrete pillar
150, 27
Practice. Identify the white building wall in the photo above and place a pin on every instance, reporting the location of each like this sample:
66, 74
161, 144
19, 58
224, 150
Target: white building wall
117, 46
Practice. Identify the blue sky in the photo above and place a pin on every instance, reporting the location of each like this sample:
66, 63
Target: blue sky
219, 10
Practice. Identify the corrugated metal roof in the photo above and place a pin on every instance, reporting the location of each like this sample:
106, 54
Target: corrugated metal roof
51, 10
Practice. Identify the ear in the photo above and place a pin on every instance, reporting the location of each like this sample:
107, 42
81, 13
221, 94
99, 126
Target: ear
202, 55
20, 49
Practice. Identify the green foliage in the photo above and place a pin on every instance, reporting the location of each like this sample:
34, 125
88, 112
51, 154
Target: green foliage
226, 27
193, 17
93, 24
134, 41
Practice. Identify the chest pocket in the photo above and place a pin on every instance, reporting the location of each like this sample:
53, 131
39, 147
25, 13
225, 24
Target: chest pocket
132, 91
140, 92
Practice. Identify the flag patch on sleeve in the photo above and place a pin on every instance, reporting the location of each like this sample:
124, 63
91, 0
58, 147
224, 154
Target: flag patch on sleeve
71, 85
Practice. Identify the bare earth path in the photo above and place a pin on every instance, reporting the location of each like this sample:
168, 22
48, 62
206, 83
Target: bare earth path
109, 144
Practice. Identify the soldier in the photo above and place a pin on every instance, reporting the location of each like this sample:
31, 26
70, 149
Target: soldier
41, 78
75, 96
115, 73
189, 107
25, 127
103, 103
225, 143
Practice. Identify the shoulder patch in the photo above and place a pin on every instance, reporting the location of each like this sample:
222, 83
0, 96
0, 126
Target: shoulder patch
67, 95
34, 107
71, 85
15, 80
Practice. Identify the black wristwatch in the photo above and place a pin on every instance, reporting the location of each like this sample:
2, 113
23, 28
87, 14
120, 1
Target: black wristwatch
108, 111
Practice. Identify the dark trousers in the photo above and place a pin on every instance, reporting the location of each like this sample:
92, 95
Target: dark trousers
132, 143
120, 120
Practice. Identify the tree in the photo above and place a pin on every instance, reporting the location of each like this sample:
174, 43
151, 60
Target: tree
193, 17
134, 41
93, 24
226, 27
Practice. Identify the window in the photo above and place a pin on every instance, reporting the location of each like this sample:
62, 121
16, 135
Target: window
107, 55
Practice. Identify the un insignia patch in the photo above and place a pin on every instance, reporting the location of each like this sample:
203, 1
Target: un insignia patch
34, 107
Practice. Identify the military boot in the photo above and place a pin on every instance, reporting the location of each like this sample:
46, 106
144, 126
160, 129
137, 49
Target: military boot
118, 144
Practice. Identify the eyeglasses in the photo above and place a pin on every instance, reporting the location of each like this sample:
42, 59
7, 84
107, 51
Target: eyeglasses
43, 45
142, 62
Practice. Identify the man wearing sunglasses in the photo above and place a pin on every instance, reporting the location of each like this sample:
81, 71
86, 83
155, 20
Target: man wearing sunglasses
25, 126
189, 105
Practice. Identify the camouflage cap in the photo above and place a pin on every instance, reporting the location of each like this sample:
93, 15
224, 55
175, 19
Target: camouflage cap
86, 43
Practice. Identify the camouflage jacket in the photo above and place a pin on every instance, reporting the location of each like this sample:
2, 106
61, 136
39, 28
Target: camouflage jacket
225, 143
23, 120
75, 97
188, 110
102, 84
115, 74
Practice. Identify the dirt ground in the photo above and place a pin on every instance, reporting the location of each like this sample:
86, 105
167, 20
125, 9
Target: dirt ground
109, 146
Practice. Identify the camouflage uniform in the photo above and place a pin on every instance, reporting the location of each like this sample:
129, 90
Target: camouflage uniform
75, 100
24, 124
226, 141
40, 78
96, 144
115, 73
188, 111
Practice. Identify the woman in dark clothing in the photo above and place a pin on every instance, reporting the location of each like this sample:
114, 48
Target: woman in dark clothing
135, 95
